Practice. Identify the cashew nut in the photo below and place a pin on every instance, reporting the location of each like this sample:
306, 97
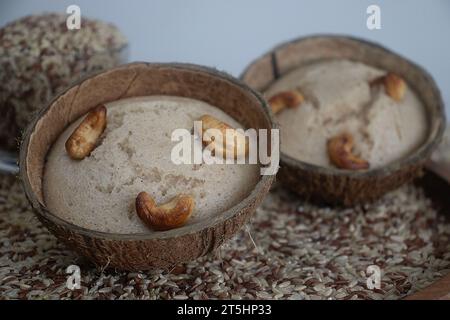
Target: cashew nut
170, 215
285, 99
340, 150
237, 145
394, 85
84, 138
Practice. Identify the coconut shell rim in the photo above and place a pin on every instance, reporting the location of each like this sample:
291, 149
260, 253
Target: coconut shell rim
418, 155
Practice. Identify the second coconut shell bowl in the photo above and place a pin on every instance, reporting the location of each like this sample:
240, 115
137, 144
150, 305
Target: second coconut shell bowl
344, 187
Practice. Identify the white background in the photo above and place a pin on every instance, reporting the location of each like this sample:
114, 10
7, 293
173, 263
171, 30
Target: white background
228, 34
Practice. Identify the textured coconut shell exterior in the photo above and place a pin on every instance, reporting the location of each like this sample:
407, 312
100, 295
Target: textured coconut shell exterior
344, 187
157, 249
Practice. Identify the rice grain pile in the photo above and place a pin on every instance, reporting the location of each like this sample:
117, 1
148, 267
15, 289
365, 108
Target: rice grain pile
40, 57
290, 250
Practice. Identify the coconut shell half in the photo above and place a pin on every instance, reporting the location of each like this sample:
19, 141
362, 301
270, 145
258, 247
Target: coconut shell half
159, 249
344, 187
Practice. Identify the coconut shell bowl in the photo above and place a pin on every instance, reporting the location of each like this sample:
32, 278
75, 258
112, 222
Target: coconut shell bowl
345, 187
161, 249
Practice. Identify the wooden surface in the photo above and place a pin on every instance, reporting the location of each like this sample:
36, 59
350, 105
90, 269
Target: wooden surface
440, 290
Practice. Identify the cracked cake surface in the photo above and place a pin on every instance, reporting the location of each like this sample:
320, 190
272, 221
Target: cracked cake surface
338, 98
134, 155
